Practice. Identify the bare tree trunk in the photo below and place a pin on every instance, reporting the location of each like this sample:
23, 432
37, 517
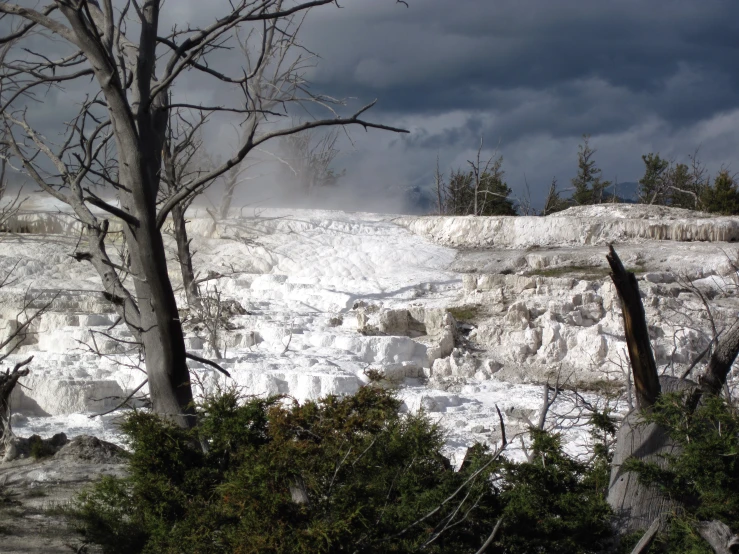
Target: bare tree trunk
228, 194
185, 257
160, 327
637, 334
636, 505
8, 381
438, 178
719, 536
3, 184
713, 379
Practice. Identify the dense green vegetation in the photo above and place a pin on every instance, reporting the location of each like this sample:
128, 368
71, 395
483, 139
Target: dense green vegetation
340, 475
353, 475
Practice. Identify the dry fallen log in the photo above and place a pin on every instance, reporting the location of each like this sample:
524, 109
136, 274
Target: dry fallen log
719, 536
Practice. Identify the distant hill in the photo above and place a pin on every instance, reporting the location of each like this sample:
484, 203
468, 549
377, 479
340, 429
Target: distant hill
627, 192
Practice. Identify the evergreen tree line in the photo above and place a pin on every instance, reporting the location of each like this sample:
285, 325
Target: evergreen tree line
483, 190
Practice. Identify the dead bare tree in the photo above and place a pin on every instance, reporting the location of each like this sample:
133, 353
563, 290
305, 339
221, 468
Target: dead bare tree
232, 179
553, 202
136, 70
491, 169
441, 188
14, 338
638, 506
309, 156
17, 333
9, 206
8, 381
277, 63
182, 161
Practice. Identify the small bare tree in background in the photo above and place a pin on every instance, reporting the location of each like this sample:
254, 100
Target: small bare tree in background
479, 191
117, 138
554, 202
235, 177
16, 333
182, 162
309, 157
277, 64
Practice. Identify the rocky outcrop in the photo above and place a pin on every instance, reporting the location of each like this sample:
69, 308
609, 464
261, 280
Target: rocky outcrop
324, 297
589, 225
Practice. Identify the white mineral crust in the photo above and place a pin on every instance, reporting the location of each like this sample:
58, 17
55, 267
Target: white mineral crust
329, 295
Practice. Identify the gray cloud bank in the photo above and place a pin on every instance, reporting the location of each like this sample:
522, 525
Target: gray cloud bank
533, 76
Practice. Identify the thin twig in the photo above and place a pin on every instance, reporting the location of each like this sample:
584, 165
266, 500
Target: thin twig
125, 401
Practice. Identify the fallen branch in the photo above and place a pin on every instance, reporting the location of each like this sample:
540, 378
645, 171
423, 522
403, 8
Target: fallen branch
502, 425
491, 538
719, 536
207, 362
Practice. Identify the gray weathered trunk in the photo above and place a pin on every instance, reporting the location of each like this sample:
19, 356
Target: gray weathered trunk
160, 327
8, 380
228, 194
635, 505
185, 257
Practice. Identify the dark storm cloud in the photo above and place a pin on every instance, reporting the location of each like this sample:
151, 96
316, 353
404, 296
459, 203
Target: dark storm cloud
679, 56
534, 75
530, 75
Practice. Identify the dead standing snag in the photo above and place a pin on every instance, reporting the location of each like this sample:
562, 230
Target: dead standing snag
638, 506
643, 366
116, 141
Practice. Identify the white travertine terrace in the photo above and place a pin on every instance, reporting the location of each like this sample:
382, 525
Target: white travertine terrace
350, 291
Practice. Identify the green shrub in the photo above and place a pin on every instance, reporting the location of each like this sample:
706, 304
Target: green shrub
467, 313
369, 474
375, 481
555, 503
39, 448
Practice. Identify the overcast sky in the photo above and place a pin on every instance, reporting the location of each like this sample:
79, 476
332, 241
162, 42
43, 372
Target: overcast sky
532, 76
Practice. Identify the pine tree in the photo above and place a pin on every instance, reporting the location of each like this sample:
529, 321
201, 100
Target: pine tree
588, 183
494, 192
652, 184
459, 193
723, 196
